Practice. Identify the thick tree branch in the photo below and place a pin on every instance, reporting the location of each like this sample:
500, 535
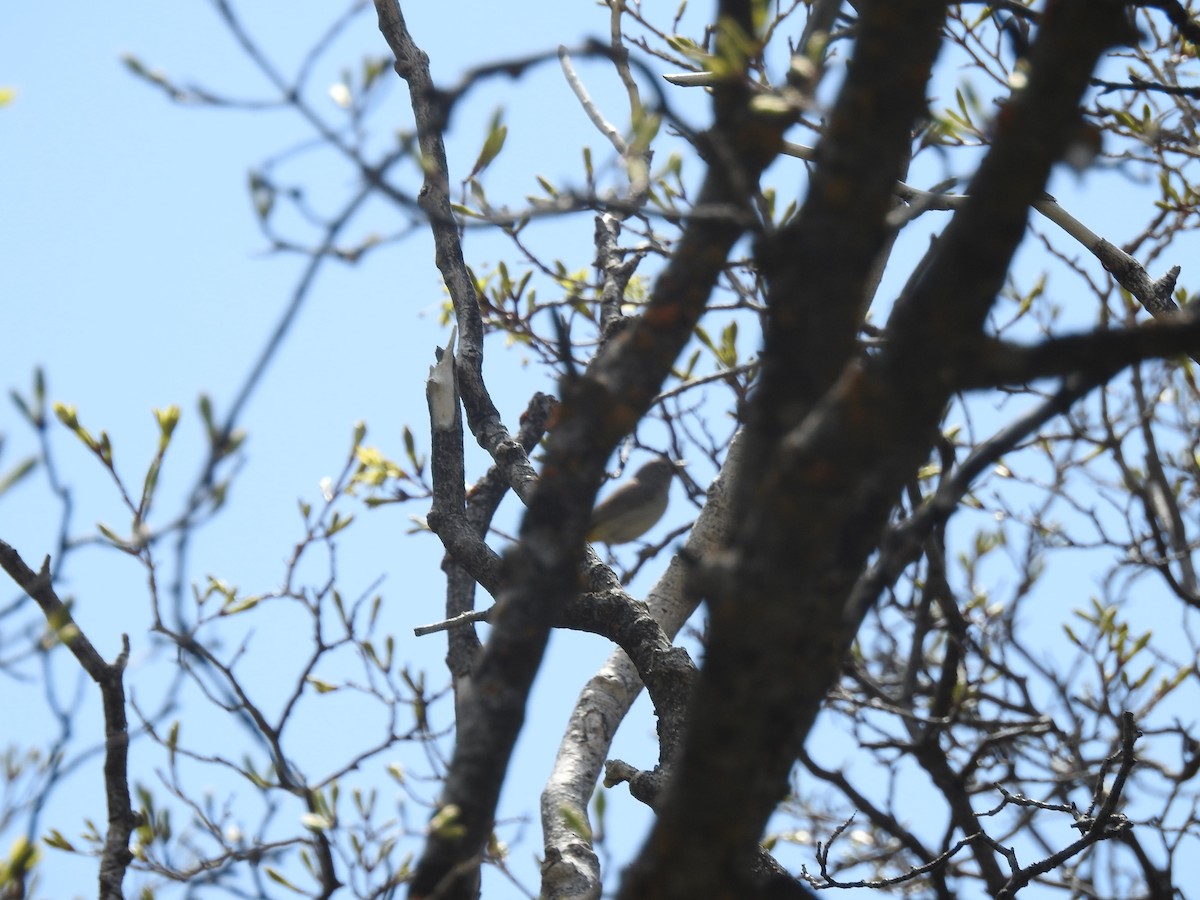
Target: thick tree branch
741, 744
1096, 356
571, 867
1153, 294
597, 411
778, 632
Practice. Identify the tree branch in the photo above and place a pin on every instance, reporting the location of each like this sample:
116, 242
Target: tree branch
821, 491
122, 820
596, 412
741, 742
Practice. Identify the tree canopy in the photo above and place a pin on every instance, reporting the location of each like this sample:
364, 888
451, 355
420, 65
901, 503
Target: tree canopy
922, 615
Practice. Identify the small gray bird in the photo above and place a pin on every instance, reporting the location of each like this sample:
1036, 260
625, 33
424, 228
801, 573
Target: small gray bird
633, 508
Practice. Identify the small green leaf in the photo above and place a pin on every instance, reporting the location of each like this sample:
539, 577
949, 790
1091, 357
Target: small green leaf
373, 67
55, 839
338, 524
167, 420
138, 68
67, 414
104, 449
240, 606
727, 355
173, 740
321, 687
112, 536
18, 472
276, 876
492, 145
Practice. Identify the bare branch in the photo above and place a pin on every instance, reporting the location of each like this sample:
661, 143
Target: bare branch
109, 678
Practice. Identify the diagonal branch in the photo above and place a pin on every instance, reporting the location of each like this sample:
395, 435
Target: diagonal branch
821, 491
597, 411
122, 820
412, 65
744, 729
571, 867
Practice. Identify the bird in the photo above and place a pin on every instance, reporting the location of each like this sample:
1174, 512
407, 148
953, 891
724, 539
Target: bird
633, 508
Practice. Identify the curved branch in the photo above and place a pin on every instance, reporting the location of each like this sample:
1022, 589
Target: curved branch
571, 867
122, 820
